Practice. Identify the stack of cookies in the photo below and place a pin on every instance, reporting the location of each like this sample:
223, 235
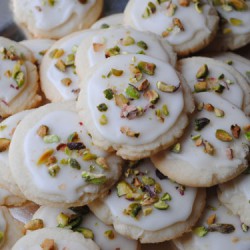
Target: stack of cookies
111, 139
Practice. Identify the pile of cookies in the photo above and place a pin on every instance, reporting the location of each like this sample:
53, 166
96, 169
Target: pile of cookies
110, 138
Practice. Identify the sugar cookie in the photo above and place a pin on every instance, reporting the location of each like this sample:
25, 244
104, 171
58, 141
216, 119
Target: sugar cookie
107, 21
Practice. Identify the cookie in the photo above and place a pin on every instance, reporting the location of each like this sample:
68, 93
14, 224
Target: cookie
107, 21
55, 238
235, 196
206, 74
88, 224
214, 149
8, 199
186, 25
10, 229
134, 104
53, 161
7, 129
119, 40
55, 19
38, 47
19, 78
217, 229
145, 205
59, 81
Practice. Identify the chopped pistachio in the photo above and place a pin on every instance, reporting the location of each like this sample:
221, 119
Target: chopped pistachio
161, 205
177, 22
73, 137
2, 127
166, 197
74, 163
43, 131
222, 76
208, 107
165, 110
157, 188
176, 148
143, 85
109, 234
1, 236
70, 60
247, 136
102, 163
150, 9
195, 137
102, 107
4, 144
56, 53
219, 88
219, 112
54, 170
146, 67
66, 81
51, 139
48, 244
235, 129
201, 123
132, 92
62, 220
221, 228
198, 142
202, 72
116, 72
171, 10
45, 156
128, 132
200, 87
60, 65
51, 2
142, 45
112, 52
238, 4
226, 31
121, 100
211, 219
152, 96
86, 232
103, 120
200, 231
222, 135
34, 224
104, 26
244, 227
88, 156
127, 41
109, 94
248, 74
148, 180
123, 188
198, 7
97, 179
208, 148
184, 3
133, 210
235, 21
200, 106
20, 79
164, 87
147, 211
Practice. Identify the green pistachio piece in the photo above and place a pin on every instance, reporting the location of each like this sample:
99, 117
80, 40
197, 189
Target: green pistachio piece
123, 188
60, 65
121, 100
97, 179
200, 231
4, 144
64, 161
87, 233
141, 52
45, 156
208, 148
127, 41
72, 137
201, 123
200, 87
102, 107
143, 85
219, 88
150, 9
248, 74
88, 156
112, 52
116, 72
176, 148
147, 211
152, 96
222, 135
56, 53
244, 227
132, 92
161, 205
146, 67
134, 196
219, 112
108, 93
34, 224
104, 26
103, 120
70, 60
142, 45
3, 127
202, 72
164, 87
165, 110
128, 132
109, 234
102, 163
51, 139
221, 228
62, 220
161, 1
235, 21
20, 79
66, 81
1, 236
198, 7
238, 4
247, 135
54, 170
196, 137
51, 2
148, 180
133, 210
166, 197
74, 163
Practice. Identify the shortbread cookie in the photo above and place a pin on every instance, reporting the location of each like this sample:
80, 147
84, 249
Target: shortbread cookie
186, 25
217, 229
55, 19
206, 74
215, 147
7, 129
10, 229
235, 196
19, 78
145, 205
9, 199
39, 47
134, 104
58, 78
234, 28
119, 41
54, 162
54, 238
87, 224
108, 21
240, 63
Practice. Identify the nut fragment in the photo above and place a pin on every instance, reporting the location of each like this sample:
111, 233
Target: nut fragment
184, 3
128, 132
127, 41
48, 244
222, 135
177, 22
238, 4
45, 156
101, 162
164, 87
152, 96
146, 67
4, 144
34, 224
211, 219
98, 47
200, 87
66, 81
43, 131
235, 129
202, 72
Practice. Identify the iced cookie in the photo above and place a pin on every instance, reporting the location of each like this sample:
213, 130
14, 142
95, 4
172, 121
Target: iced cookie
145, 205
217, 229
55, 19
54, 162
206, 74
9, 199
214, 149
134, 104
188, 26
234, 28
39, 47
54, 239
235, 195
10, 229
59, 80
119, 41
86, 223
107, 21
240, 63
7, 129
19, 78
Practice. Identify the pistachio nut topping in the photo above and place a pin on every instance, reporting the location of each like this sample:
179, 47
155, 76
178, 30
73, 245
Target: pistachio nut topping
3, 228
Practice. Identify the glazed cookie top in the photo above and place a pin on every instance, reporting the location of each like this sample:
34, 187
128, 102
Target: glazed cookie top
217, 229
175, 21
107, 21
3, 228
87, 224
133, 99
144, 197
48, 15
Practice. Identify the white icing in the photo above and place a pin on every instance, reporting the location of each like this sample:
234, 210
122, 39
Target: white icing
46, 17
158, 22
3, 226
68, 185
233, 93
195, 156
55, 76
115, 19
155, 221
90, 221
148, 121
111, 38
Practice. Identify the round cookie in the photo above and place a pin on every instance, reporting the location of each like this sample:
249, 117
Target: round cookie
10, 229
104, 236
19, 78
59, 80
134, 104
234, 29
39, 47
138, 203
235, 196
217, 229
55, 19
119, 41
107, 21
206, 74
214, 149
54, 238
7, 129
186, 25
54, 162
8, 199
